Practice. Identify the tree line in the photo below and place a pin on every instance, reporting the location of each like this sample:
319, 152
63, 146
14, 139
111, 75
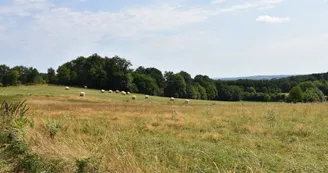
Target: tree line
116, 74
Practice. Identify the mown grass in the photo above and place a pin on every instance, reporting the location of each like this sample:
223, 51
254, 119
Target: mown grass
100, 133
51, 91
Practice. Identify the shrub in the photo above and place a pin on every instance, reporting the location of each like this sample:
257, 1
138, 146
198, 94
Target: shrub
296, 94
313, 95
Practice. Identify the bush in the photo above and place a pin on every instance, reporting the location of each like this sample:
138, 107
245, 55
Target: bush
263, 97
296, 94
313, 95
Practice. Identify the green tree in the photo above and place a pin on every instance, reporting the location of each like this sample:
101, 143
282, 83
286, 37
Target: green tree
306, 85
63, 75
310, 96
201, 91
192, 92
296, 94
13, 77
208, 84
251, 90
4, 72
186, 76
175, 85
146, 84
52, 79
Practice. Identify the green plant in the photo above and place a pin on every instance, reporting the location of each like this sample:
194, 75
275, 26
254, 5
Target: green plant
85, 165
53, 127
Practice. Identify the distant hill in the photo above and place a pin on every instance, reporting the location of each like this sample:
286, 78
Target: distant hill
258, 77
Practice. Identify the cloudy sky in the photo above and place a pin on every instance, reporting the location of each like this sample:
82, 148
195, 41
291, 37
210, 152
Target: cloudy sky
218, 38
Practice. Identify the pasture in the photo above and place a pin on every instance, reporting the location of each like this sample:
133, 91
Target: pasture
109, 132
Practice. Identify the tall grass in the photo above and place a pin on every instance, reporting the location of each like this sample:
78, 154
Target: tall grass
99, 135
157, 137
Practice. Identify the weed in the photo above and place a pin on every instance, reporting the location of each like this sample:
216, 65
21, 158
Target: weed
83, 165
53, 127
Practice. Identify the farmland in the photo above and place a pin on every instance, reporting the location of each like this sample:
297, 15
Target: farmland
109, 132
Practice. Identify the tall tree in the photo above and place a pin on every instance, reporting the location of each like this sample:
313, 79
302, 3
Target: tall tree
296, 94
52, 79
13, 77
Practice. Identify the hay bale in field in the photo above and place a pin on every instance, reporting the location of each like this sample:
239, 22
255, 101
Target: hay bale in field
128, 93
123, 93
117, 91
102, 91
186, 101
172, 98
110, 91
67, 88
134, 97
82, 94
146, 96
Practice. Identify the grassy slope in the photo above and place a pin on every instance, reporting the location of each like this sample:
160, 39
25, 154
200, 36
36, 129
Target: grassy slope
43, 90
165, 137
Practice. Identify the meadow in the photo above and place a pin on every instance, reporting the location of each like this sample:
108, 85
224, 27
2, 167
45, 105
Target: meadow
109, 132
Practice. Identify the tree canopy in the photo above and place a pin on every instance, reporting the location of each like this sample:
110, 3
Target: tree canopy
115, 73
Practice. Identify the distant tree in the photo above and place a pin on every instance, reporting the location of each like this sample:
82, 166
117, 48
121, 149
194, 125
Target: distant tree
209, 85
306, 85
13, 77
52, 79
33, 75
192, 92
236, 93
285, 86
63, 75
186, 76
146, 84
310, 96
267, 97
175, 85
251, 90
4, 72
296, 94
157, 75
202, 92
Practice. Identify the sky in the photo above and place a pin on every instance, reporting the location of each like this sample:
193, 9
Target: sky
218, 38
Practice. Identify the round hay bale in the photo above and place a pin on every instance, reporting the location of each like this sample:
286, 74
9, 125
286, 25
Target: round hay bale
146, 96
134, 97
172, 98
102, 91
117, 91
123, 93
82, 94
110, 91
187, 101
67, 88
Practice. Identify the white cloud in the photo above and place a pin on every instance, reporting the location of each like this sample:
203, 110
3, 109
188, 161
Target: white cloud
261, 4
217, 1
272, 20
129, 22
25, 7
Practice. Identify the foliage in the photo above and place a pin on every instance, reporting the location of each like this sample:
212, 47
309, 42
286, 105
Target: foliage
313, 95
296, 94
145, 84
175, 85
115, 73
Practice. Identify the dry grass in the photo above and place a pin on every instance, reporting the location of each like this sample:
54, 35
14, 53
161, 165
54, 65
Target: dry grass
143, 137
165, 137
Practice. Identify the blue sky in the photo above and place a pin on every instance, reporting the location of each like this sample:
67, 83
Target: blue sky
218, 38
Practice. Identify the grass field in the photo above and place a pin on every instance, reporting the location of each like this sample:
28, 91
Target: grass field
156, 135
